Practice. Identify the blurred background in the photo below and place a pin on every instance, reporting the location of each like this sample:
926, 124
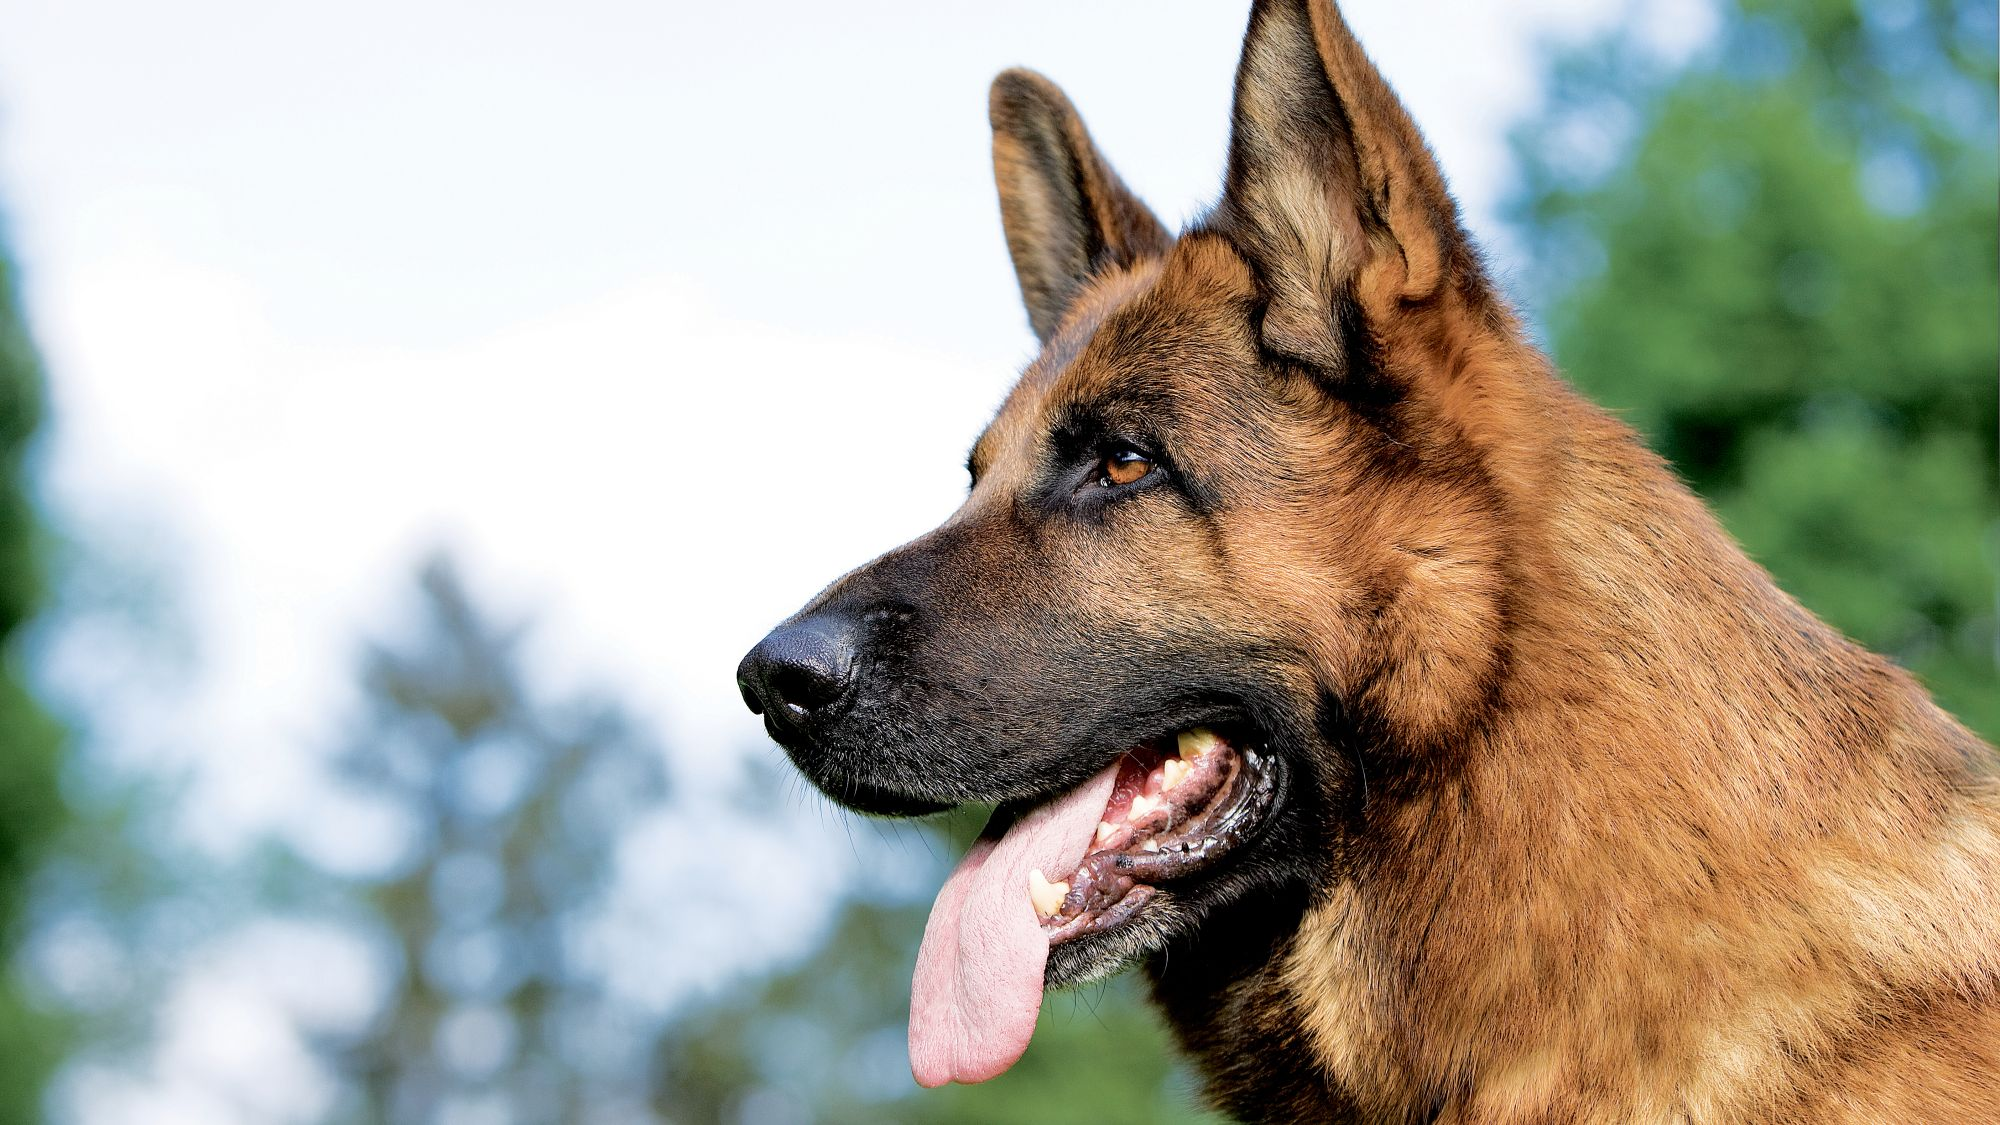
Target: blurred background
410, 411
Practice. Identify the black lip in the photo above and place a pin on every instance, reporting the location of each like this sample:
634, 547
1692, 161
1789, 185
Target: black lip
1236, 828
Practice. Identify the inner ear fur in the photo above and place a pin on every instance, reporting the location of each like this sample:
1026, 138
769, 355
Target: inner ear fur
1331, 191
1066, 213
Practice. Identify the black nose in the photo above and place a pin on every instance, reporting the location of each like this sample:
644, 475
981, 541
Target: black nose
798, 672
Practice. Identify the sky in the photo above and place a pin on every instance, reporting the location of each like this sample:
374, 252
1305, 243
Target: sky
659, 316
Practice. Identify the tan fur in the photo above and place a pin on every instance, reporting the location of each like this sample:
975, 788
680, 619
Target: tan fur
1666, 848
1065, 211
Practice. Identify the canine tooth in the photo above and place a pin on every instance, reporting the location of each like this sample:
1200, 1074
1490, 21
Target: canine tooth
1195, 743
1150, 846
1105, 830
1172, 771
1047, 896
1142, 806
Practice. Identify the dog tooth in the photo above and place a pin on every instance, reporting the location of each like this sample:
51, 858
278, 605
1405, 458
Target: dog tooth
1142, 806
1195, 743
1105, 830
1150, 846
1172, 771
1047, 896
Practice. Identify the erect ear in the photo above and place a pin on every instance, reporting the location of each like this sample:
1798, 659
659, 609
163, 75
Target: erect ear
1331, 190
1066, 214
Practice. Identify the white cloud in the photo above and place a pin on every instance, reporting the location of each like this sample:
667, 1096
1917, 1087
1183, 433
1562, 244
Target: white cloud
654, 481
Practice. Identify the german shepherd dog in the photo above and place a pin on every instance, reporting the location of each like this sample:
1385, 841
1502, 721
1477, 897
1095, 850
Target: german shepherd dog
1430, 747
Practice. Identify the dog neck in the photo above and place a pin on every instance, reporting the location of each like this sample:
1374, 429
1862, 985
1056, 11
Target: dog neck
1659, 864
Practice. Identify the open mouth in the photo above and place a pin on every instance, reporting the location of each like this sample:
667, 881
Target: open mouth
1144, 829
1173, 813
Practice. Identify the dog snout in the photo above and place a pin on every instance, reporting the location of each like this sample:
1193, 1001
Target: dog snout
800, 673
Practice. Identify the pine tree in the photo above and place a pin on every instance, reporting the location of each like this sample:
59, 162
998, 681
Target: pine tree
31, 742
514, 807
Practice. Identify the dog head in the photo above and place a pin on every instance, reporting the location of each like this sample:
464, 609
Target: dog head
1243, 489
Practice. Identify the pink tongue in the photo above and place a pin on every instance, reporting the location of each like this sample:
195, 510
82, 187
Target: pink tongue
978, 986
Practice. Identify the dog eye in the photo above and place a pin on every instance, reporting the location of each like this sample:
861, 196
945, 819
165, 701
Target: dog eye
1123, 466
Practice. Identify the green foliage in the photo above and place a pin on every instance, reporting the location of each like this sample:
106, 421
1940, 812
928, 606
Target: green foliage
1780, 265
32, 811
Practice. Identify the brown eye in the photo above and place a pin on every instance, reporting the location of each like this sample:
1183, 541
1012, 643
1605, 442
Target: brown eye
1123, 467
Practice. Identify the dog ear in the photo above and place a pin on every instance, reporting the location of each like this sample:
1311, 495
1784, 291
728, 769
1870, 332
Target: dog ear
1066, 213
1331, 191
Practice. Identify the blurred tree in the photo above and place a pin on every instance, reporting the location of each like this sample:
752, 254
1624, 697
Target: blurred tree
1779, 262
31, 743
511, 809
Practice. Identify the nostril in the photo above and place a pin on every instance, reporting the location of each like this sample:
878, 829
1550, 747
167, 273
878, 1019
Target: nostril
801, 669
804, 687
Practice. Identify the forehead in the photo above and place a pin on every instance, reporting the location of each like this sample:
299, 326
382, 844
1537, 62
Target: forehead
1131, 336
